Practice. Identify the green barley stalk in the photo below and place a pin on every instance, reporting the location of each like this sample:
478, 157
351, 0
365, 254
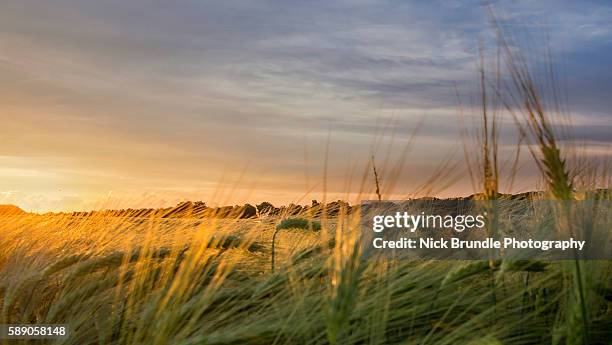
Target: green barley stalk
345, 277
534, 121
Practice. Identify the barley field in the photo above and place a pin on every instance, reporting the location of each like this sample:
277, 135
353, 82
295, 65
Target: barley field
121, 280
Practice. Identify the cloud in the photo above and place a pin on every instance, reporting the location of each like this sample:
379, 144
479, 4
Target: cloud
142, 95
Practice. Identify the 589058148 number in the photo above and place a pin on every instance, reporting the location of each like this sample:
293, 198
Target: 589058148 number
17, 331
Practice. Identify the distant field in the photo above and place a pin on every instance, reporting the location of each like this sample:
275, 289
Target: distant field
49, 236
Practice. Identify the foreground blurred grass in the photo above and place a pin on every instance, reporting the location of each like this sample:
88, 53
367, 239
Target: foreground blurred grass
155, 281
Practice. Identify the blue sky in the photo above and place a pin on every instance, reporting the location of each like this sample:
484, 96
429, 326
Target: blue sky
168, 100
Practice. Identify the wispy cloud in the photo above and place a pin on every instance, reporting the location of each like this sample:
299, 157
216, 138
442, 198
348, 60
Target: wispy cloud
147, 95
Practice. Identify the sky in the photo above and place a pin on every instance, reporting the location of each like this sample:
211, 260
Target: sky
146, 103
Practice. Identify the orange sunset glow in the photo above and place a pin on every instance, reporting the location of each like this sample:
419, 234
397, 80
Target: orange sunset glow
199, 102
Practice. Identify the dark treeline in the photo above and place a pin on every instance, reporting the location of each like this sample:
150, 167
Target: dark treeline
199, 209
